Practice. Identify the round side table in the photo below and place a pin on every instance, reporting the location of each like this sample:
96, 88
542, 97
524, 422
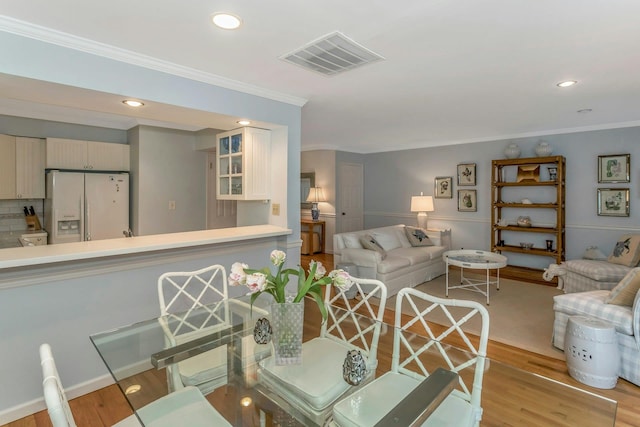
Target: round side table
591, 349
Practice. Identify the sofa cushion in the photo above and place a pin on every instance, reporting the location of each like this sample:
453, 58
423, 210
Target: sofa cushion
601, 271
393, 263
351, 240
592, 304
417, 236
626, 251
388, 239
402, 237
420, 254
625, 292
368, 242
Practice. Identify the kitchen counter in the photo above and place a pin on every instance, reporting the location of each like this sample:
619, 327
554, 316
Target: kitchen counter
41, 255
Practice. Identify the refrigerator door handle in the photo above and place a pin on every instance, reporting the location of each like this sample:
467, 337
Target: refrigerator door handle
87, 219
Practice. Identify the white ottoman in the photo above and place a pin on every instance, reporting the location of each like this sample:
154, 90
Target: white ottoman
591, 349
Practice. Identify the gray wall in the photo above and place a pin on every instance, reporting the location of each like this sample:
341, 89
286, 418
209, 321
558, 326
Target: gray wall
392, 178
167, 168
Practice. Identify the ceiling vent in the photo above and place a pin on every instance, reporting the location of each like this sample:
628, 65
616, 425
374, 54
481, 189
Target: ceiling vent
332, 54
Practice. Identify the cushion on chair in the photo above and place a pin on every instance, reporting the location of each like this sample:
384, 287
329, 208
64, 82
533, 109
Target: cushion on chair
592, 304
602, 271
626, 251
625, 292
318, 380
393, 263
417, 236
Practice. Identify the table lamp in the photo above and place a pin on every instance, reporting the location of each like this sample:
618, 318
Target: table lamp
315, 196
422, 204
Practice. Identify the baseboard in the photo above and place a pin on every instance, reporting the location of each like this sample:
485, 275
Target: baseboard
37, 405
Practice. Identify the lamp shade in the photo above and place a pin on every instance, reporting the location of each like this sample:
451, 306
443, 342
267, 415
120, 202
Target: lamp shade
421, 203
315, 195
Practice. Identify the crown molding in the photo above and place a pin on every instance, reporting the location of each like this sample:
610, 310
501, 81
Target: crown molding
48, 35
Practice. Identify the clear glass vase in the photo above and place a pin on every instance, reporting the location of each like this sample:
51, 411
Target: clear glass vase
286, 321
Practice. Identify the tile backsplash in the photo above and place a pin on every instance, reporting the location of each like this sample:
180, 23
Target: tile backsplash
12, 214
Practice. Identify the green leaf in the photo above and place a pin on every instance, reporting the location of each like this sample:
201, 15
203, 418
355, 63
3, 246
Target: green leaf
323, 310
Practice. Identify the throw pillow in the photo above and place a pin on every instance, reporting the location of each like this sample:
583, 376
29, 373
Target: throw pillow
592, 252
626, 251
625, 292
351, 241
402, 237
387, 240
368, 242
417, 236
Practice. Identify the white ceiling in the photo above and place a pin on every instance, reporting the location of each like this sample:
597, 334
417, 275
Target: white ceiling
454, 71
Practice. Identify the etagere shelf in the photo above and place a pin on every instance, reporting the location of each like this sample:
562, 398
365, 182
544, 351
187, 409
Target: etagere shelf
508, 186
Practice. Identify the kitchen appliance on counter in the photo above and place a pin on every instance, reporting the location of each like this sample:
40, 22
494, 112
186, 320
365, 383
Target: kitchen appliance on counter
36, 238
86, 206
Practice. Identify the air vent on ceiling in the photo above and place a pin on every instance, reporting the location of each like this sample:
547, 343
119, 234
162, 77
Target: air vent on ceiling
332, 54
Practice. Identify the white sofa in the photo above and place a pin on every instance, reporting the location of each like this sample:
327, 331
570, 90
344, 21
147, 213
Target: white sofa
626, 320
403, 266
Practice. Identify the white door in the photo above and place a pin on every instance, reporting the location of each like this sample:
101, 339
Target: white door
350, 189
107, 205
220, 213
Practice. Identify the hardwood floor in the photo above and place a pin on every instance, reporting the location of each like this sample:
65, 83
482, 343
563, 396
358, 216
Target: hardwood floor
501, 399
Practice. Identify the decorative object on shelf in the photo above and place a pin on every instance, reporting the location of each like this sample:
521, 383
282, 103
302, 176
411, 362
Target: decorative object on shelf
443, 187
528, 173
354, 368
543, 149
553, 173
614, 168
467, 174
526, 245
422, 204
264, 281
262, 331
524, 221
467, 201
512, 151
502, 222
613, 201
315, 196
501, 243
549, 245
526, 202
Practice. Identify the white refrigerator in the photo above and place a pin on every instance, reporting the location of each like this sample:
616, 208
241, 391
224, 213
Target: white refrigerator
86, 206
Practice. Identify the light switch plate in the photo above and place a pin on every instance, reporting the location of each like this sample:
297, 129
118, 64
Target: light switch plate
275, 209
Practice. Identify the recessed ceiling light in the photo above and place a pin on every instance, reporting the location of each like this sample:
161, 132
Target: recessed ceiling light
133, 389
226, 21
132, 103
246, 401
243, 122
567, 83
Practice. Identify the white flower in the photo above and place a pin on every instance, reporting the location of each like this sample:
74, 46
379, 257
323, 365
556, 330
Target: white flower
341, 279
256, 282
238, 276
277, 257
320, 270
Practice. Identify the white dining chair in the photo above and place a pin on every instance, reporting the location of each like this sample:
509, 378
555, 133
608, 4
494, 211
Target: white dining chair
419, 348
315, 384
186, 407
181, 294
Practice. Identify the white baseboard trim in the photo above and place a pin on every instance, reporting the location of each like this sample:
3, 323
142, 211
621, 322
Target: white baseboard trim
37, 405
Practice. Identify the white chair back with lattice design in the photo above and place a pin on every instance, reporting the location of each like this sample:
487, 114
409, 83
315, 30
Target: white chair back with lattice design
456, 350
342, 323
54, 396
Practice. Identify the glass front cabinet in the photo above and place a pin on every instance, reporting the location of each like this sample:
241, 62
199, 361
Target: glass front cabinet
244, 164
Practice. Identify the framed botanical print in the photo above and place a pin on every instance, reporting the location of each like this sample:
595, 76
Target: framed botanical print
466, 174
614, 168
443, 187
467, 200
613, 201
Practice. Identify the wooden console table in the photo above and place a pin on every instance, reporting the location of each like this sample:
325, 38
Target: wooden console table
311, 225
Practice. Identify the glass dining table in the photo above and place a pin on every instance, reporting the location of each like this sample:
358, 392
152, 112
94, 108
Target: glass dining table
138, 357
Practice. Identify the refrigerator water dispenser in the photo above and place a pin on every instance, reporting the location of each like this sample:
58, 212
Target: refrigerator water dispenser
68, 227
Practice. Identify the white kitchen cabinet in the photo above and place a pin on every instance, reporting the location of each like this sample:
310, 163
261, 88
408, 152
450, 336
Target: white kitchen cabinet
244, 164
21, 168
86, 155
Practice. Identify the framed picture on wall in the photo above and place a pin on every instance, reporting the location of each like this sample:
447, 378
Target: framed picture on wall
613, 201
614, 168
467, 200
443, 187
466, 174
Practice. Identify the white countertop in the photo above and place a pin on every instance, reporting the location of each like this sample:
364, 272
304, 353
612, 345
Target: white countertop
38, 255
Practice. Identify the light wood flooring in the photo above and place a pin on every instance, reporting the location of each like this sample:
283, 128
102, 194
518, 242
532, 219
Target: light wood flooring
503, 408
